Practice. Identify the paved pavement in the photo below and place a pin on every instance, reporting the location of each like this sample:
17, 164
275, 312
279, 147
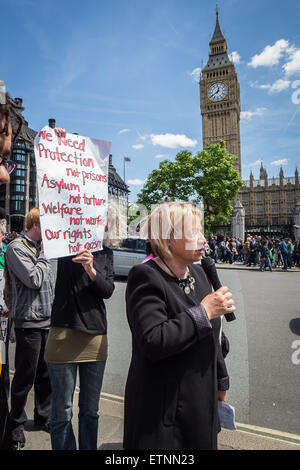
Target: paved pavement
246, 437
239, 265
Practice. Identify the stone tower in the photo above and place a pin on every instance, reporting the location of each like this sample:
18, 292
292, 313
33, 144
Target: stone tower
220, 97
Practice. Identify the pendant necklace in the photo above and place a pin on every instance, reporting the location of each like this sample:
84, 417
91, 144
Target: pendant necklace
187, 285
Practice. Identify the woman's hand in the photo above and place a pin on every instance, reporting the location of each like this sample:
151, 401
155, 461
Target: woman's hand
86, 258
60, 132
218, 303
221, 395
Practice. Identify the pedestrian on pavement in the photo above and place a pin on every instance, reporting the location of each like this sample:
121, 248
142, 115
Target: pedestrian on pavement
253, 252
265, 257
284, 253
223, 250
77, 343
29, 295
229, 253
177, 371
9, 131
290, 248
246, 250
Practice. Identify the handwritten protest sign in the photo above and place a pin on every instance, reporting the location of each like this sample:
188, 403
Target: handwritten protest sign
72, 177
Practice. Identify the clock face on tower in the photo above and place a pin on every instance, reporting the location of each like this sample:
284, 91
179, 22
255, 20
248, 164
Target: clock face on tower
217, 91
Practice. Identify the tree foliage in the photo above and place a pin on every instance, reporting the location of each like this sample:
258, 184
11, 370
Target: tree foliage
207, 177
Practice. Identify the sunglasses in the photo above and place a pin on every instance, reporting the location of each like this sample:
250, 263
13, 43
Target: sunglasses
9, 165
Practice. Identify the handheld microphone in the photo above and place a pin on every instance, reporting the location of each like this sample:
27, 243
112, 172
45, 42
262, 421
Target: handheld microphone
209, 267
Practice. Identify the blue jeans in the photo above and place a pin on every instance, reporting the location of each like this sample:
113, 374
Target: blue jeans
63, 382
265, 262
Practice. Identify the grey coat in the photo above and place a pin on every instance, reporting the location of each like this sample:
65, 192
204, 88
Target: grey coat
31, 282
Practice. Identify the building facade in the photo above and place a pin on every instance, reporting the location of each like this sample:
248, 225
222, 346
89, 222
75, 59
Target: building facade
21, 193
270, 203
220, 98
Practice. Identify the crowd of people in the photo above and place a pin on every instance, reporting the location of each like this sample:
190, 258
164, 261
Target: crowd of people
255, 250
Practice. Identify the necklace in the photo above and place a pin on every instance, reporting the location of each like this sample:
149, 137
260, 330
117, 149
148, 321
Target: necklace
187, 285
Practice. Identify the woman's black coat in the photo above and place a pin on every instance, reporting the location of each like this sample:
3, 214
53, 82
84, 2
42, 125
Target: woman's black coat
175, 373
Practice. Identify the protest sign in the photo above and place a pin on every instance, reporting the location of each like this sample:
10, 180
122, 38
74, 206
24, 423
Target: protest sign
72, 178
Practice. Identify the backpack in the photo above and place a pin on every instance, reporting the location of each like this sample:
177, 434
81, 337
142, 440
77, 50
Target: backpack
7, 280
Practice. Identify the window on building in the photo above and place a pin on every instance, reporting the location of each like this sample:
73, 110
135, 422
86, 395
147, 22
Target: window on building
18, 188
289, 195
259, 196
259, 209
19, 157
289, 208
20, 172
274, 196
274, 208
17, 206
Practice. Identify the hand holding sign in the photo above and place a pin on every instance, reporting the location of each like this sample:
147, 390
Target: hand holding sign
86, 258
60, 132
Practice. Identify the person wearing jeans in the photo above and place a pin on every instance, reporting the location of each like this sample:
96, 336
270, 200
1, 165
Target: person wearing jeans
77, 343
63, 380
265, 257
29, 293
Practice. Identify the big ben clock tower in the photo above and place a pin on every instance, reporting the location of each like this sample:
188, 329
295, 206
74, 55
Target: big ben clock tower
220, 97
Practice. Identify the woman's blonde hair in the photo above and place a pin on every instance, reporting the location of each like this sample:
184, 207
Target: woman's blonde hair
166, 222
33, 217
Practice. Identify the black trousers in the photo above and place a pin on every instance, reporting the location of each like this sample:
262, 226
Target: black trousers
30, 370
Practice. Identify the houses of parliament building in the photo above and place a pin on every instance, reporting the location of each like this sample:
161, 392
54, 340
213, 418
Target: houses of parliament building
269, 203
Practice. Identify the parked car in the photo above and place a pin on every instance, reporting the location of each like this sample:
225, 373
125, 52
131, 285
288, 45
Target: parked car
131, 252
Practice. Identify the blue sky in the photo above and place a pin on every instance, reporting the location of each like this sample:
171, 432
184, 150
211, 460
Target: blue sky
126, 71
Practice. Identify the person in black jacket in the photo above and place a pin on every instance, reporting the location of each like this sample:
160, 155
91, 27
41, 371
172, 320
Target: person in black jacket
265, 257
78, 343
177, 372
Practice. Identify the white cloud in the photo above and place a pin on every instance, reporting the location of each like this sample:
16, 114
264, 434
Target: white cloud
271, 55
161, 155
195, 74
122, 131
235, 57
172, 141
284, 161
276, 87
136, 182
293, 65
250, 165
138, 146
247, 115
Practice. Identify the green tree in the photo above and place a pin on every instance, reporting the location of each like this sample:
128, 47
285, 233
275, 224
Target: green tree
207, 177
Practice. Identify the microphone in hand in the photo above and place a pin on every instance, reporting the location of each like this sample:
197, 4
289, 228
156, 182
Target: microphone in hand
209, 267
